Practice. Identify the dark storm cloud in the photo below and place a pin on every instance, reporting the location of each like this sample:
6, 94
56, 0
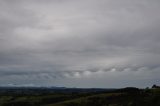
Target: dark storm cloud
64, 42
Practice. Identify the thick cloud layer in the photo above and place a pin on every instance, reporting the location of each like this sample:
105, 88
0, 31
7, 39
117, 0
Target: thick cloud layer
80, 43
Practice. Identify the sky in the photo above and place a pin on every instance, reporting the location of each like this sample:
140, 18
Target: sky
80, 43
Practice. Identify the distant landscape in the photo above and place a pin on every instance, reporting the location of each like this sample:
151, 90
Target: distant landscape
61, 96
79, 52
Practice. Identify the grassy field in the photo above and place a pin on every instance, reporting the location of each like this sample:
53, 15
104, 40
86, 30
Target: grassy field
123, 97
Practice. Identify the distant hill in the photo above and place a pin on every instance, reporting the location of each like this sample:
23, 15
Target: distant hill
42, 96
127, 97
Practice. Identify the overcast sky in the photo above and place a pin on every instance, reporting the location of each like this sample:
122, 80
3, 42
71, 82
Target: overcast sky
80, 43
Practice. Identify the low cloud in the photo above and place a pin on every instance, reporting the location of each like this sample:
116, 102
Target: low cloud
65, 43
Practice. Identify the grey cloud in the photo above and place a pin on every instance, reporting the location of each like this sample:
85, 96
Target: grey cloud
66, 42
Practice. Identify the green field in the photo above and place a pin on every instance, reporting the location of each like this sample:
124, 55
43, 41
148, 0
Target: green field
146, 97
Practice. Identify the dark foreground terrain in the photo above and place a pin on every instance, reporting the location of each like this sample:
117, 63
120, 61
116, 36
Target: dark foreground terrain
79, 97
